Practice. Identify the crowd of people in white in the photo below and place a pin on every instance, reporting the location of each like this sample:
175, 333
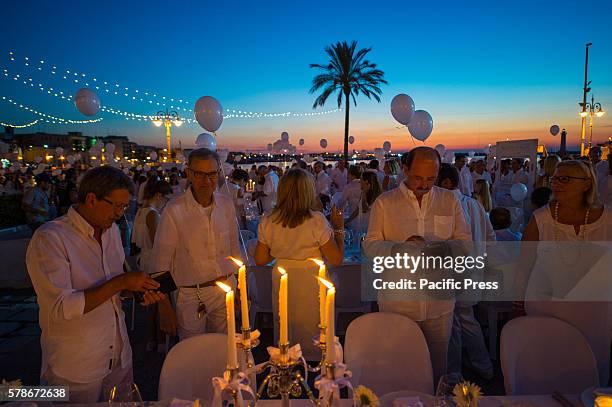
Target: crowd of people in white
188, 226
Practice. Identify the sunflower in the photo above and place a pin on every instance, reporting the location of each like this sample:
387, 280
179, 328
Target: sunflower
466, 394
365, 397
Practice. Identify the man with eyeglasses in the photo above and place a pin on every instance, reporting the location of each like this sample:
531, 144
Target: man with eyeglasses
75, 263
196, 234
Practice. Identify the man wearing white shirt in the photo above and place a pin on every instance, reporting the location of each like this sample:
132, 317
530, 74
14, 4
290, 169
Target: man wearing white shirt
467, 332
465, 177
267, 192
339, 176
374, 166
518, 173
76, 266
351, 195
196, 234
322, 180
405, 220
480, 172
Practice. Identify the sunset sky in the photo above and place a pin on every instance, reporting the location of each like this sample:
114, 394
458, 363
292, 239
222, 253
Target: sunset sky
486, 71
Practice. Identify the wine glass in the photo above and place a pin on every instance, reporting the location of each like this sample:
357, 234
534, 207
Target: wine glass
444, 391
125, 394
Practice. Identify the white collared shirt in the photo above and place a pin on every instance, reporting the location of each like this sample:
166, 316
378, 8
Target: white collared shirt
477, 218
339, 178
194, 242
465, 181
476, 176
269, 188
322, 183
64, 259
396, 215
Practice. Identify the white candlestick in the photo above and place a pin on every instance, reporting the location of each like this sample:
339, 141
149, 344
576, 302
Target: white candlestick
244, 302
330, 333
282, 307
232, 354
322, 294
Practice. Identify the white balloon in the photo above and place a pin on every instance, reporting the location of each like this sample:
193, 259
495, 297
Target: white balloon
554, 129
87, 102
402, 108
153, 155
441, 149
351, 139
421, 125
110, 147
323, 143
285, 136
387, 146
518, 191
206, 140
209, 113
301, 141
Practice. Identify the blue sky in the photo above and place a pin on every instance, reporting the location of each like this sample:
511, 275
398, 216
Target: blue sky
484, 70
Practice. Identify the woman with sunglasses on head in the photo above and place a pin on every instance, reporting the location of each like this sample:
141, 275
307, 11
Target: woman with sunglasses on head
562, 260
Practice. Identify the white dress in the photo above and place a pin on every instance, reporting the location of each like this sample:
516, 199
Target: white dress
573, 270
142, 239
292, 248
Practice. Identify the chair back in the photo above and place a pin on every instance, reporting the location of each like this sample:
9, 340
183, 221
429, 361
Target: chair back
387, 352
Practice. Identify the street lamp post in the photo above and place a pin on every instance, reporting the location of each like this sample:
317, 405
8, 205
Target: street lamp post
591, 109
167, 119
585, 90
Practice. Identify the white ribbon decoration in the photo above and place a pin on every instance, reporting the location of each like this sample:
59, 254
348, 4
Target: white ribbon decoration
223, 385
329, 389
252, 341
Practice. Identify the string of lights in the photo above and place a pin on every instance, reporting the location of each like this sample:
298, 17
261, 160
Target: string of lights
19, 126
152, 98
47, 117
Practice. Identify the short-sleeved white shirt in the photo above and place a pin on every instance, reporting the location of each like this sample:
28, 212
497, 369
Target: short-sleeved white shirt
299, 243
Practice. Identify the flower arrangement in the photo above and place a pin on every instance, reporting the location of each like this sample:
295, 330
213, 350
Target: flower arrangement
466, 394
365, 397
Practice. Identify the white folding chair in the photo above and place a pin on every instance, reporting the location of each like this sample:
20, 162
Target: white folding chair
592, 319
387, 352
190, 366
347, 279
541, 354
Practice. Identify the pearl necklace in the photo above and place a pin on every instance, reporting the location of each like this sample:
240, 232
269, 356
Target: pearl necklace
582, 233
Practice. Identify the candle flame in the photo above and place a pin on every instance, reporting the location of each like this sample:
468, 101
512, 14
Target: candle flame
319, 262
224, 286
282, 271
236, 261
326, 283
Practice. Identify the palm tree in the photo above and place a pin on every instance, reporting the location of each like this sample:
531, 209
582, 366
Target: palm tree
349, 73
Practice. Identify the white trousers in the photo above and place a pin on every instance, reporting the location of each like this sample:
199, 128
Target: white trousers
214, 320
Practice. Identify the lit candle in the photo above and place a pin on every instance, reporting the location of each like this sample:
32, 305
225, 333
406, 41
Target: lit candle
232, 355
322, 289
282, 307
330, 355
242, 286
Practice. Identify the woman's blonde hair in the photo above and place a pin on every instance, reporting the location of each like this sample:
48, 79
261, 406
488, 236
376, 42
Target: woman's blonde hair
590, 196
483, 194
295, 198
550, 165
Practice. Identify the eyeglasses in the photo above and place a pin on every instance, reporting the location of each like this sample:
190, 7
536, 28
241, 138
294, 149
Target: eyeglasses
117, 207
564, 179
202, 174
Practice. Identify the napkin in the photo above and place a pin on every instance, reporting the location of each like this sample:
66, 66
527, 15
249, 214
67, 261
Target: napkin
407, 402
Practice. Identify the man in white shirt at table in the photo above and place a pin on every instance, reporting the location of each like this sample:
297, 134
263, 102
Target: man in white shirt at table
465, 176
322, 180
351, 196
411, 215
76, 266
267, 193
196, 234
339, 177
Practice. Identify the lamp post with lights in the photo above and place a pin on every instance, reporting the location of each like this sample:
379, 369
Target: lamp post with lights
591, 109
167, 118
